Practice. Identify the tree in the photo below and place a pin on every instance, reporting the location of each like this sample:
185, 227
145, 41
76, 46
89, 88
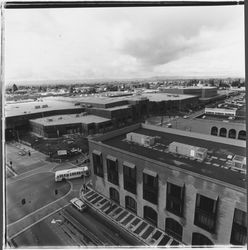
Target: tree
14, 88
71, 89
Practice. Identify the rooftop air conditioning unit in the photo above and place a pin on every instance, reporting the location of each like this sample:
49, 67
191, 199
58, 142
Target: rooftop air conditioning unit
44, 106
239, 162
144, 140
37, 107
49, 120
188, 150
60, 118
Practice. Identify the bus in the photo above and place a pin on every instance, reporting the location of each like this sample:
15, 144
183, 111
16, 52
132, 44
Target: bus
71, 173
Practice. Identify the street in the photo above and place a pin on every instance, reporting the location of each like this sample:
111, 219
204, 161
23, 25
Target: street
38, 209
69, 227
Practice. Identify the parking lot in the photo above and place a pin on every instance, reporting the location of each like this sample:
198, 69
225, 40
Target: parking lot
19, 161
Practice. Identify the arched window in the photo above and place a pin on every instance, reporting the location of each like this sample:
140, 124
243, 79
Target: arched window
242, 135
131, 204
214, 131
173, 228
150, 215
201, 240
232, 133
114, 195
223, 132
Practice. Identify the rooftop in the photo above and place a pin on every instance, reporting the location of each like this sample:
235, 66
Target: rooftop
191, 87
216, 165
69, 119
154, 97
220, 118
16, 109
158, 97
116, 108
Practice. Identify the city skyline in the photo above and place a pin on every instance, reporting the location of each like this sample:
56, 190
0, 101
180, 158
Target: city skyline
122, 43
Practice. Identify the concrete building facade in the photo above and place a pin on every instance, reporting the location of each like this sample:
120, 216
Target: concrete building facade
196, 201
216, 127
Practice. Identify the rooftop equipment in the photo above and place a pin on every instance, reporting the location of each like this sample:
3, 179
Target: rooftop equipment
141, 139
188, 150
239, 162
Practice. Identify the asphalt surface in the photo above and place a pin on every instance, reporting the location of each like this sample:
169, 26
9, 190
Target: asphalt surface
93, 222
23, 163
38, 190
30, 192
84, 229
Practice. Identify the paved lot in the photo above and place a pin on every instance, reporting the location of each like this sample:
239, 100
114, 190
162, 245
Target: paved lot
33, 180
38, 190
23, 163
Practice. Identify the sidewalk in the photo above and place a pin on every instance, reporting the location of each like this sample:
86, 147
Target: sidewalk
129, 222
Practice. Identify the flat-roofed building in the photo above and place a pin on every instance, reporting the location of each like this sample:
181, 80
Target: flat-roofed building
197, 201
120, 115
162, 103
205, 93
55, 126
202, 92
17, 115
221, 112
213, 124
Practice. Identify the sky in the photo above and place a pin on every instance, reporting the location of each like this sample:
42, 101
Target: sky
99, 43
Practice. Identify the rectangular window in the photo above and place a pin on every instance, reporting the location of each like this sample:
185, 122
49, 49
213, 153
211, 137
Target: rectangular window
175, 199
205, 213
129, 177
150, 188
239, 228
112, 168
97, 164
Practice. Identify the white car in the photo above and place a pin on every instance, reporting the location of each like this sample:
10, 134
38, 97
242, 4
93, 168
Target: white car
79, 204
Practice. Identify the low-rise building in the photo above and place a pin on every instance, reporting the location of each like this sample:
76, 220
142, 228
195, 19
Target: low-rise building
221, 112
55, 126
197, 201
17, 115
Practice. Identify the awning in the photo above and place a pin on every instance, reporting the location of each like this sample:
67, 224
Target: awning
111, 158
128, 164
150, 172
96, 152
208, 193
176, 181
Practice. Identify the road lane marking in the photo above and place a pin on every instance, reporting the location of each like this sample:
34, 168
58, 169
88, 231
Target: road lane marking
41, 208
44, 217
11, 171
17, 179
